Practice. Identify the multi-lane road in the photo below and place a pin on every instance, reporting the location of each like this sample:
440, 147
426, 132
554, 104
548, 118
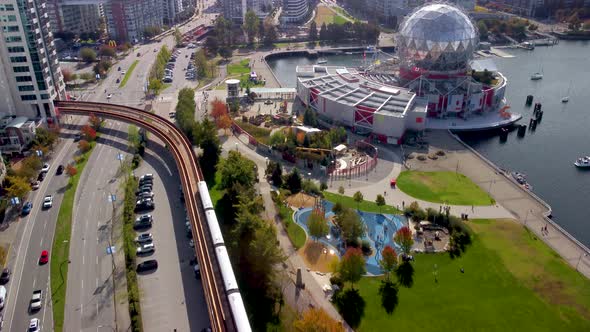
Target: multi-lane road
89, 299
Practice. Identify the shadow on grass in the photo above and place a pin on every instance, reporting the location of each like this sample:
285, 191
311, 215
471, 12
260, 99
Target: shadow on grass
351, 306
405, 274
389, 298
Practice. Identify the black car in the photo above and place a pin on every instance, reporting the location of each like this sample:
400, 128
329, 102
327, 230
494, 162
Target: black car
60, 169
41, 176
146, 181
5, 277
144, 205
142, 225
148, 265
147, 186
77, 137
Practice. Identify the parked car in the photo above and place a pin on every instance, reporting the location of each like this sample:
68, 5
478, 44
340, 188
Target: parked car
143, 195
144, 218
138, 54
60, 169
5, 276
123, 72
47, 202
172, 115
44, 258
145, 249
148, 265
118, 80
143, 191
144, 238
146, 181
34, 325
45, 168
147, 176
36, 300
167, 80
35, 185
41, 176
145, 205
27, 207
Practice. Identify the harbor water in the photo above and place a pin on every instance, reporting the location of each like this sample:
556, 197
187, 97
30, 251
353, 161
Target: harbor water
546, 155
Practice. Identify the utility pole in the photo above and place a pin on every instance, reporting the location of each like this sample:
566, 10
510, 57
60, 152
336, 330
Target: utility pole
112, 199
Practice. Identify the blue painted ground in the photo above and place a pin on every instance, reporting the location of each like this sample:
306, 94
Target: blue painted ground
379, 231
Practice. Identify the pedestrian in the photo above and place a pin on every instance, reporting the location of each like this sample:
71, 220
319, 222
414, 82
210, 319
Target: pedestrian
472, 208
385, 193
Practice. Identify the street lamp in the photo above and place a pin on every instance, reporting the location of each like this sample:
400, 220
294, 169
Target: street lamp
236, 146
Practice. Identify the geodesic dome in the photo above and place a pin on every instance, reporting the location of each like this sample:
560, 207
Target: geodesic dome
438, 37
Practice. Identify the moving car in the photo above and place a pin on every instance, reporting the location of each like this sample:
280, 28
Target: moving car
147, 248
123, 72
77, 137
27, 207
197, 270
47, 202
5, 276
118, 80
144, 238
2, 296
44, 258
60, 169
34, 325
35, 185
109, 96
148, 265
45, 168
36, 301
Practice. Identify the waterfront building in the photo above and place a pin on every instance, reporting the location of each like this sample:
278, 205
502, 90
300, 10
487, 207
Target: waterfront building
30, 76
432, 85
72, 16
127, 20
235, 10
392, 12
294, 11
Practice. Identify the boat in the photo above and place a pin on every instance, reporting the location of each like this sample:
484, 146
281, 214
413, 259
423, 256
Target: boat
536, 76
567, 95
528, 46
322, 61
583, 162
521, 179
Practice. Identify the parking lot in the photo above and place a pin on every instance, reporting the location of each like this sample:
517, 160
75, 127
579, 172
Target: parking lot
180, 70
171, 295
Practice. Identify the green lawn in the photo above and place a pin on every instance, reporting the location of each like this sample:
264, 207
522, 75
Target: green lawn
128, 74
261, 134
340, 20
367, 206
295, 233
239, 67
442, 187
512, 282
60, 252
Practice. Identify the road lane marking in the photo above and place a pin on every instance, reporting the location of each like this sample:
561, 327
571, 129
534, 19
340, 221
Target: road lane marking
83, 259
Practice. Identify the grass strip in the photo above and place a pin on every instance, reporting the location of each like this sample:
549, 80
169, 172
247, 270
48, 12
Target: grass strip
60, 251
128, 74
366, 206
261, 134
295, 233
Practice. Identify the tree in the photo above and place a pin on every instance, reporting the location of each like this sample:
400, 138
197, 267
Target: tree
317, 320
155, 86
276, 173
317, 225
323, 186
177, 37
18, 187
224, 123
212, 45
251, 25
380, 201
95, 121
293, 181
388, 260
358, 198
341, 190
574, 22
313, 31
102, 67
106, 50
68, 75
236, 169
324, 32
350, 224
133, 138
403, 237
352, 266
83, 145
87, 54
29, 167
277, 139
218, 108
226, 52
45, 137
201, 63
483, 29
269, 32
205, 135
71, 170
88, 133
309, 118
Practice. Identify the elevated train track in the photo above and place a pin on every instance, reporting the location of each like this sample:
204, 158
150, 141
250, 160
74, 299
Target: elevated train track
224, 302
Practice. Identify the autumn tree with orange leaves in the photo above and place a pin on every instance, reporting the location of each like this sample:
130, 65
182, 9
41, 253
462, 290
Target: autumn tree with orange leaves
317, 320
352, 266
71, 170
224, 122
89, 133
404, 238
388, 260
218, 109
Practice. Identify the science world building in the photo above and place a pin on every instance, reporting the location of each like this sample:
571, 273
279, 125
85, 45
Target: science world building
432, 83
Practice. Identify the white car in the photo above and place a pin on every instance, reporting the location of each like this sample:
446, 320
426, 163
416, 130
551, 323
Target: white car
36, 300
145, 237
191, 243
109, 96
123, 72
48, 202
35, 185
34, 325
45, 168
146, 249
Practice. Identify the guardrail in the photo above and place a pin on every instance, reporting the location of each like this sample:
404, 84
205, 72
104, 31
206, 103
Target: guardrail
224, 316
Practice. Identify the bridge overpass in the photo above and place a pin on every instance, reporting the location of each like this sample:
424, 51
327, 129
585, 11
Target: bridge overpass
224, 302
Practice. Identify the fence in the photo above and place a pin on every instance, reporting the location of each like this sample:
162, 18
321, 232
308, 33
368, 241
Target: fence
359, 170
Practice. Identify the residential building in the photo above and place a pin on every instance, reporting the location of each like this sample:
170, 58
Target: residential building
391, 12
30, 76
235, 10
16, 134
67, 15
294, 10
127, 20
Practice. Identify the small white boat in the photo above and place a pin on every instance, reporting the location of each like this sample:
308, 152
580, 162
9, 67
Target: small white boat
536, 76
583, 162
565, 99
322, 61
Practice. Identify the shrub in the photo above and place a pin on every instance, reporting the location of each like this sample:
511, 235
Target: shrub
71, 170
335, 280
84, 146
310, 187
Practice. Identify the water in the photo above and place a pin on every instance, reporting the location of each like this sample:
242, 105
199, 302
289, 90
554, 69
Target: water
547, 155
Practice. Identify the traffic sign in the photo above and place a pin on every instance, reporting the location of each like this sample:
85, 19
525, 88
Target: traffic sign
111, 250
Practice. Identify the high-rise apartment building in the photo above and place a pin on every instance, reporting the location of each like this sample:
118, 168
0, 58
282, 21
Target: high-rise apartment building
235, 10
30, 77
67, 15
127, 20
294, 10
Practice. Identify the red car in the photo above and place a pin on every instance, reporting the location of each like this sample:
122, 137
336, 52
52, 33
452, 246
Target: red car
393, 182
44, 257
